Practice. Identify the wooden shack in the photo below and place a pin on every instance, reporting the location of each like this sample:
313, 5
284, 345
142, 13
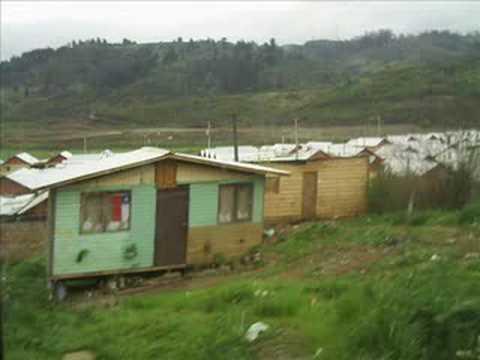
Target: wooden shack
327, 188
327, 181
16, 162
149, 210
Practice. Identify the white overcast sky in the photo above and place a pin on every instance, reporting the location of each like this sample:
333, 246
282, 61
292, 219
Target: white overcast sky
29, 25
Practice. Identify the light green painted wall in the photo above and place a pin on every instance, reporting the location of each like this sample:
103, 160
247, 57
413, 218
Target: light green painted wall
106, 249
204, 202
258, 200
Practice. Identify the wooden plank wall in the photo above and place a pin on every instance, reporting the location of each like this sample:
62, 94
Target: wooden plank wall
22, 239
144, 175
166, 174
286, 204
342, 188
194, 173
11, 188
230, 240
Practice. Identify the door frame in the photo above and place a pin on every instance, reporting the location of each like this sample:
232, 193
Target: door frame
186, 189
304, 215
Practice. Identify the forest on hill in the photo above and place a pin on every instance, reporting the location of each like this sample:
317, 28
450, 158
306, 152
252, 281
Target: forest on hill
432, 78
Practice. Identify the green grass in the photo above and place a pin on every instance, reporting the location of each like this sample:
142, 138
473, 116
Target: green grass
400, 305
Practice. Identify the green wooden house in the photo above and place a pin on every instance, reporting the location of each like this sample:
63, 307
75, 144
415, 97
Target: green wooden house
147, 210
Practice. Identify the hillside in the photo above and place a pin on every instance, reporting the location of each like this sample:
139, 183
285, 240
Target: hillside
381, 287
431, 79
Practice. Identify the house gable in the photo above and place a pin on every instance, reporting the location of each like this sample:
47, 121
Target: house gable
11, 188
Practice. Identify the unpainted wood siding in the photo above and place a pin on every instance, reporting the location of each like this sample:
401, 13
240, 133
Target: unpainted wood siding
143, 175
286, 205
105, 250
11, 188
166, 174
342, 188
193, 173
229, 240
341, 191
22, 239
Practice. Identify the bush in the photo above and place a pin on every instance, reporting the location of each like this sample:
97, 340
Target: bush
470, 214
447, 190
430, 315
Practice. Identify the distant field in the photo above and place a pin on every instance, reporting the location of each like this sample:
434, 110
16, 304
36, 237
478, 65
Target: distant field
47, 140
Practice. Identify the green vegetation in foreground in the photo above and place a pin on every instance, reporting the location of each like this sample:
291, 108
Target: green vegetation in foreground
383, 287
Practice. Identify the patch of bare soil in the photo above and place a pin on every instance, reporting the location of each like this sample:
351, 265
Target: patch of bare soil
80, 355
338, 260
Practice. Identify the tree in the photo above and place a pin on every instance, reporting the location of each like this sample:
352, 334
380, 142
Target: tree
170, 57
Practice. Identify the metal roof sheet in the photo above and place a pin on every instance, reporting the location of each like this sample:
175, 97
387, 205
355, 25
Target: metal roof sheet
82, 167
26, 157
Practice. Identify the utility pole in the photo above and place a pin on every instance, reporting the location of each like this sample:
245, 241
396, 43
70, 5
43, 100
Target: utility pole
235, 137
84, 144
209, 137
3, 279
378, 126
296, 137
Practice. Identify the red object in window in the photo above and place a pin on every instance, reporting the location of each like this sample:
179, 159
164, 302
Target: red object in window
117, 207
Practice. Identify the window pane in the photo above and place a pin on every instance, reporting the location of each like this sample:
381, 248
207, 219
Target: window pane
117, 211
108, 211
226, 206
244, 202
109, 207
91, 217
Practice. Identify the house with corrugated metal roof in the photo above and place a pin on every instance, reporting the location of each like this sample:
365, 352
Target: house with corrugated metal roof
18, 161
372, 143
147, 210
327, 181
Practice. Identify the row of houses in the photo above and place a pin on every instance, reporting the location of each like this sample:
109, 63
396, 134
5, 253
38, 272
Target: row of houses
152, 209
145, 210
401, 155
322, 184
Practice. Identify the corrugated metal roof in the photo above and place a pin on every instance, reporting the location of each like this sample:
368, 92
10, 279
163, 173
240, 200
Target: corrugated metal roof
82, 167
366, 141
10, 205
266, 153
19, 205
66, 154
250, 168
409, 166
26, 157
38, 199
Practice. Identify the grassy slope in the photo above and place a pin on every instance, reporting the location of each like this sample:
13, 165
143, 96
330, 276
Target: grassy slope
432, 95
358, 289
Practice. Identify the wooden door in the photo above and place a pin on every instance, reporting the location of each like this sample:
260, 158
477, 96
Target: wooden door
309, 195
171, 227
